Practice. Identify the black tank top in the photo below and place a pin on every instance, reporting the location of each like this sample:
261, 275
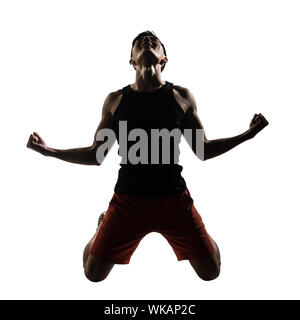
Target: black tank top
157, 109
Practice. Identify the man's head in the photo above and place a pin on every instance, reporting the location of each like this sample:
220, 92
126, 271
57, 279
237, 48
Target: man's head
147, 46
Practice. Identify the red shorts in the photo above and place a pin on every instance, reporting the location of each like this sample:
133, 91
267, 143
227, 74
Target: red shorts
128, 219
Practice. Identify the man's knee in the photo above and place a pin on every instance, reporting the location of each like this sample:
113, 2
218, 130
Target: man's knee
208, 269
210, 274
93, 276
96, 270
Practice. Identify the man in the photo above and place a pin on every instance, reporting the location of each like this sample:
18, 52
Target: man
149, 197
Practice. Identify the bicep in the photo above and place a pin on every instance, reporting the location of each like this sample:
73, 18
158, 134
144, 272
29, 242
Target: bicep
191, 119
106, 122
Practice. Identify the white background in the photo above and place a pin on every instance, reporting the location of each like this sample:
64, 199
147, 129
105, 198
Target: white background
59, 60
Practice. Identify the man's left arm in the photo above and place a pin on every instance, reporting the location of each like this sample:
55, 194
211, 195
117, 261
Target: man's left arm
216, 147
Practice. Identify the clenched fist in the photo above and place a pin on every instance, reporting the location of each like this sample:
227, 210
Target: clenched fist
36, 143
257, 123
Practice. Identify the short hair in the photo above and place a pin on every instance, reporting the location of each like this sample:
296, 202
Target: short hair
148, 33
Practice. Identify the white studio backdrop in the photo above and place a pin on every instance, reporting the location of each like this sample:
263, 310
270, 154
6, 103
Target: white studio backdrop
59, 60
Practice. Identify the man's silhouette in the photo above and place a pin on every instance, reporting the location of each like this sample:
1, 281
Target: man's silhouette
150, 197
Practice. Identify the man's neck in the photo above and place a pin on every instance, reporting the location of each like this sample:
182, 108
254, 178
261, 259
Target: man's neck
148, 78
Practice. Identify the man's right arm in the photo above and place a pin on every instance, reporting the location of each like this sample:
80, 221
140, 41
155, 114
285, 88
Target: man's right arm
86, 155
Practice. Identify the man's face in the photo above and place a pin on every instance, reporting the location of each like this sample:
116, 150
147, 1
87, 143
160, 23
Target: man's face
148, 49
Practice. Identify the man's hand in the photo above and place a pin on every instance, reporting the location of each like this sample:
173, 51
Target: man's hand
86, 155
36, 143
257, 123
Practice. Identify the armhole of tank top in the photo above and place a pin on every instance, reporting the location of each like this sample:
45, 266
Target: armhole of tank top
174, 99
121, 101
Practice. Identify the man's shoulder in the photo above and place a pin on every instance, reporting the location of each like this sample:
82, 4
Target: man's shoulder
183, 97
182, 91
113, 95
112, 101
